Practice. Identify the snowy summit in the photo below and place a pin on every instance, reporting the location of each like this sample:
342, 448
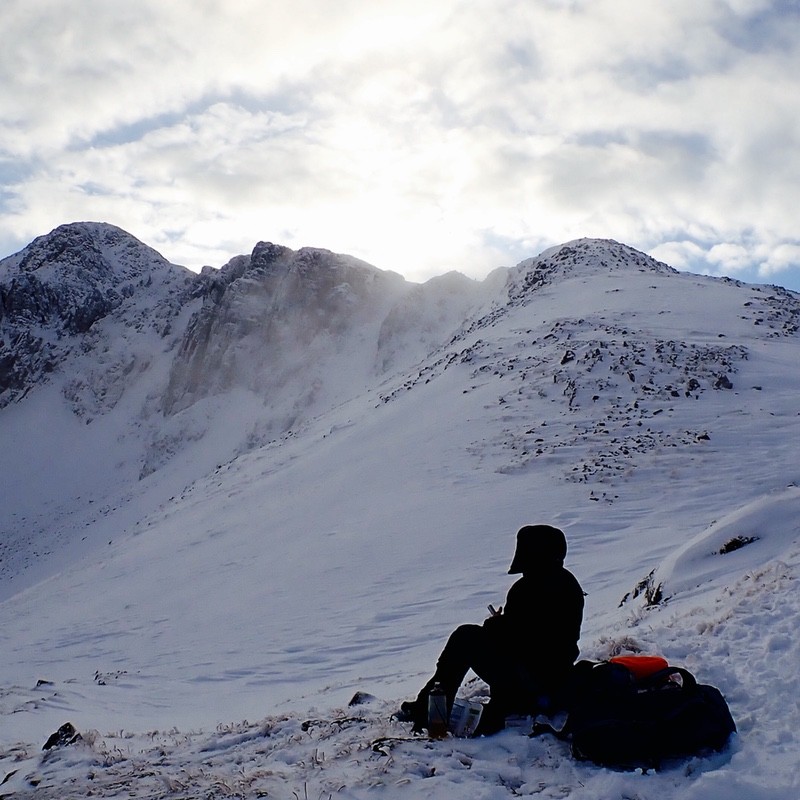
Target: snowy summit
232, 500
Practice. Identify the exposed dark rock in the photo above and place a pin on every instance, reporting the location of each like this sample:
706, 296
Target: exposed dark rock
723, 382
55, 291
597, 255
361, 698
737, 543
64, 736
650, 589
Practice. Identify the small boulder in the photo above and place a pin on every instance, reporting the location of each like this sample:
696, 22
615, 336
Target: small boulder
361, 698
723, 382
64, 736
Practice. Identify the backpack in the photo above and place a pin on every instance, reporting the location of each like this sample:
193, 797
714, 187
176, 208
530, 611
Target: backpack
637, 711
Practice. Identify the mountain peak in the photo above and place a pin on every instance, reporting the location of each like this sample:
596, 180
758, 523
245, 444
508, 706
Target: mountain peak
63, 283
99, 248
603, 252
583, 257
77, 273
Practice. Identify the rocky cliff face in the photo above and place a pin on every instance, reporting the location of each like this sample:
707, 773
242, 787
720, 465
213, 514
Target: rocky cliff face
55, 292
297, 331
275, 324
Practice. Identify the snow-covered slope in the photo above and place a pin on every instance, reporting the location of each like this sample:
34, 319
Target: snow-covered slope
267, 573
125, 361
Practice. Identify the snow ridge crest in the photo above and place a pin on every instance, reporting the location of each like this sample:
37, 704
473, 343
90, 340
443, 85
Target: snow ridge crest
581, 258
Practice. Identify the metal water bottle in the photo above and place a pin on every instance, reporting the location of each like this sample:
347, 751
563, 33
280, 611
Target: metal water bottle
437, 712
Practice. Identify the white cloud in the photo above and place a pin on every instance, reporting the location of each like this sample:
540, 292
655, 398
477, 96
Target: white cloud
782, 257
683, 255
419, 136
730, 258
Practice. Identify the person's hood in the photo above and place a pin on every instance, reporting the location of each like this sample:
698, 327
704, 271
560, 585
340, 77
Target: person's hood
538, 547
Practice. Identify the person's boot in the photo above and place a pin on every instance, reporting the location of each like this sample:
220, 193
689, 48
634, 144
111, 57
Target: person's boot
416, 711
493, 719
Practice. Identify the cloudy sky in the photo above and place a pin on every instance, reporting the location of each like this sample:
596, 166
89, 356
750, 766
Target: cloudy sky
419, 135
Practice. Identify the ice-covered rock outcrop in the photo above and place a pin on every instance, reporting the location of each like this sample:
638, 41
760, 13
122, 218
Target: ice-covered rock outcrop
55, 291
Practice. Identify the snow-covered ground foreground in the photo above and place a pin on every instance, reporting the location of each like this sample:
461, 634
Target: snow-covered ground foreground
160, 613
745, 639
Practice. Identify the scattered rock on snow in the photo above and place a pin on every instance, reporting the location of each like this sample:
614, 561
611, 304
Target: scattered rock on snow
64, 736
723, 382
361, 698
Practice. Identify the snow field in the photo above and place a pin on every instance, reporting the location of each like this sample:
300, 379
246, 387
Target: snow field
181, 575
359, 752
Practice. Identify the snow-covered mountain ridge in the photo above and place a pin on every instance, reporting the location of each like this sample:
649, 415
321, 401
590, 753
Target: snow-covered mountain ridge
55, 292
247, 492
582, 351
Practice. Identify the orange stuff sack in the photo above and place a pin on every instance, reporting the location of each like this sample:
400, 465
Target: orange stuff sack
641, 666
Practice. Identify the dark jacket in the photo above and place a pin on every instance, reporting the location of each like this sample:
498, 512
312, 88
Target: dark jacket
541, 620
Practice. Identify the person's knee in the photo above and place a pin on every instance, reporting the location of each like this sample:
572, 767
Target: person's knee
466, 634
464, 641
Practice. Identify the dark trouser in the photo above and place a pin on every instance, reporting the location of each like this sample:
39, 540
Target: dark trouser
514, 687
